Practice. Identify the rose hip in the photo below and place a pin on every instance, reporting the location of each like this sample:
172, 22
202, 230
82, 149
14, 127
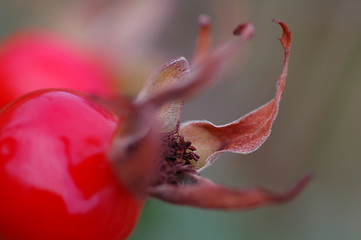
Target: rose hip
55, 176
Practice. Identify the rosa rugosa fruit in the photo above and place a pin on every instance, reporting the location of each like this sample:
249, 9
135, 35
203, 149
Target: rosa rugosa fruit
55, 178
33, 60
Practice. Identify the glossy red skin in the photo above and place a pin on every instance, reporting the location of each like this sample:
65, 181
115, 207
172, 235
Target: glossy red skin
36, 60
55, 179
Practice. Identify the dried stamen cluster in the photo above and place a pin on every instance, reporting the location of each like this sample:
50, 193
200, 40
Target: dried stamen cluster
176, 159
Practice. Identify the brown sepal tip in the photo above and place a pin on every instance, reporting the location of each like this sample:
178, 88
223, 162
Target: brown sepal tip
239, 30
286, 36
204, 20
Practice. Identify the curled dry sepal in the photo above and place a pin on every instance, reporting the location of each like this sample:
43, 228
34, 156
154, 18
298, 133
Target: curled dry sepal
157, 156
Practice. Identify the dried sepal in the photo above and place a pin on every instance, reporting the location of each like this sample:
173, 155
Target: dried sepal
243, 135
168, 74
244, 32
203, 40
203, 76
200, 192
135, 148
165, 75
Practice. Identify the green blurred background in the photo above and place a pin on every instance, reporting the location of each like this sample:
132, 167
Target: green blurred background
317, 129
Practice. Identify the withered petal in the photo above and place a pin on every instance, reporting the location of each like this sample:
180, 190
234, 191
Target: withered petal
205, 194
243, 135
168, 74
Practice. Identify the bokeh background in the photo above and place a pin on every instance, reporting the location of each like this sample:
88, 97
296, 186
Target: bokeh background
317, 129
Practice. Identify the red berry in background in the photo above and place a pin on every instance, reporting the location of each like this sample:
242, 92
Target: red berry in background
32, 60
55, 179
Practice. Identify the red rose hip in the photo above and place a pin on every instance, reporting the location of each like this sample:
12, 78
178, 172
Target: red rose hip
55, 179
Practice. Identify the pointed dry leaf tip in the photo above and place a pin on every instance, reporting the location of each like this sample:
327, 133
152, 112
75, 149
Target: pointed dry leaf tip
204, 21
244, 135
239, 29
244, 32
203, 40
286, 36
200, 192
